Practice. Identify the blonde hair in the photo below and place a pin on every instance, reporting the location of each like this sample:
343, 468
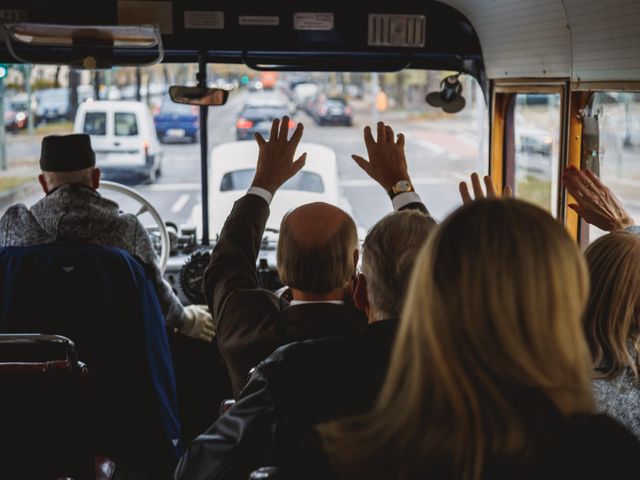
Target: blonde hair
489, 333
612, 316
58, 179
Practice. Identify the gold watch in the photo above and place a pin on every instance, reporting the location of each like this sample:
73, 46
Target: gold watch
402, 186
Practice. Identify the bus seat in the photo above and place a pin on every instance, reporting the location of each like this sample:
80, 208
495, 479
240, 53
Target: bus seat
43, 409
105, 301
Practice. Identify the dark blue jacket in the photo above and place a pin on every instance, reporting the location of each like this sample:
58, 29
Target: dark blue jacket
105, 301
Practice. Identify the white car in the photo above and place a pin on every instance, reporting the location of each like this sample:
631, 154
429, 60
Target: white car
233, 168
123, 135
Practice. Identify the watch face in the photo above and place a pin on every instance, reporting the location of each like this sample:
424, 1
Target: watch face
402, 186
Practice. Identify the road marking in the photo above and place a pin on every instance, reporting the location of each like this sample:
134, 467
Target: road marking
365, 182
180, 203
432, 147
174, 187
469, 138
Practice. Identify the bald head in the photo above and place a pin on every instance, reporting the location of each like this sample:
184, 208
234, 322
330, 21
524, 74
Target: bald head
316, 248
315, 224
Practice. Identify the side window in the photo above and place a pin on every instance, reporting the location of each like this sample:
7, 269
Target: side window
537, 149
95, 123
126, 124
619, 153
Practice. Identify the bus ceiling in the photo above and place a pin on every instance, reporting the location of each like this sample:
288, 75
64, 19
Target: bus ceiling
584, 41
301, 36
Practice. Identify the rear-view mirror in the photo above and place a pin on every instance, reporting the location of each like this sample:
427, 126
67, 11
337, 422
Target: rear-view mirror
199, 96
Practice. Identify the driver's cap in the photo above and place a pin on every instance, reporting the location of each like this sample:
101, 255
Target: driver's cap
66, 153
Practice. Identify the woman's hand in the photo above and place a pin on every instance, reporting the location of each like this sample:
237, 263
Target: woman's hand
477, 189
595, 203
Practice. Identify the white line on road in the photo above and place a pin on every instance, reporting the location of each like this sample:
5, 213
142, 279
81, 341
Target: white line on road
174, 187
468, 138
432, 147
180, 203
365, 182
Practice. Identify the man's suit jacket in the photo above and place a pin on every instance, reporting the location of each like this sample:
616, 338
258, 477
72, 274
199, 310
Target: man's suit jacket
251, 322
296, 387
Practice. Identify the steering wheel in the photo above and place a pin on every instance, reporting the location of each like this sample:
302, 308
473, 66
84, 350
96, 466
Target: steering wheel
145, 207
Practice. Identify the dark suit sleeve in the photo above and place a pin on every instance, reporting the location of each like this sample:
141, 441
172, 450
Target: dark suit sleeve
239, 441
233, 260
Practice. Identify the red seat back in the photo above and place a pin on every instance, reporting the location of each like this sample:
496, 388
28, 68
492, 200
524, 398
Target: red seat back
43, 409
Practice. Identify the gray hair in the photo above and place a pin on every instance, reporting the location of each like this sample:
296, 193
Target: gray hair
58, 179
389, 252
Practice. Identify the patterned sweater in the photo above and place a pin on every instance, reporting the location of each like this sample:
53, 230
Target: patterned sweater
78, 212
620, 398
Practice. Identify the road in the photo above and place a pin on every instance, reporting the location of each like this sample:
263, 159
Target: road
438, 158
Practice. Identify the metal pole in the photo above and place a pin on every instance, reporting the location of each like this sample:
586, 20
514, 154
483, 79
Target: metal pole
3, 135
374, 97
204, 165
30, 113
139, 84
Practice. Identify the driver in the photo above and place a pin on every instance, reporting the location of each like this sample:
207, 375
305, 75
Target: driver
72, 209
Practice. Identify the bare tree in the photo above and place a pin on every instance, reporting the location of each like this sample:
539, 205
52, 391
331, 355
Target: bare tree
74, 80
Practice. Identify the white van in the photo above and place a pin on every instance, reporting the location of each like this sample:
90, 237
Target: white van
123, 136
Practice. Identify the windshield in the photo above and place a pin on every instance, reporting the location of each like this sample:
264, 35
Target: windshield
160, 155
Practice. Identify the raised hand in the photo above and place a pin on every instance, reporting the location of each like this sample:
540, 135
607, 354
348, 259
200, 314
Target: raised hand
596, 204
275, 158
477, 189
387, 164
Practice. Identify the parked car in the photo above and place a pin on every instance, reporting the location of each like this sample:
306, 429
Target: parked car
332, 111
257, 116
16, 114
631, 134
176, 122
52, 104
123, 136
233, 168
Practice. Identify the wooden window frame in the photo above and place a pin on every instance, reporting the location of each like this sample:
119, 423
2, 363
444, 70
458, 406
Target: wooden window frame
502, 148
581, 96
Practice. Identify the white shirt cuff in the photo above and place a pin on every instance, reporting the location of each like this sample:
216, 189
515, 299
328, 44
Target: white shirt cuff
403, 199
262, 193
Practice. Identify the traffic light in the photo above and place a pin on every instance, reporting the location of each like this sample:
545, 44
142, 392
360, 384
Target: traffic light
4, 70
244, 80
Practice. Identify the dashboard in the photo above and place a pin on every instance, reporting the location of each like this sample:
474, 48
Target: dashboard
189, 258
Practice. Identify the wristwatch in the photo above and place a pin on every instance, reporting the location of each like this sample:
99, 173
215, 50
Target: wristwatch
402, 186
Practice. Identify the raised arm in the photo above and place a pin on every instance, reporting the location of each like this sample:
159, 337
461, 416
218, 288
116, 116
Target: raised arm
387, 165
233, 260
478, 193
595, 202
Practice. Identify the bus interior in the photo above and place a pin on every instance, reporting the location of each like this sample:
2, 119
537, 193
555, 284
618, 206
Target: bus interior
514, 89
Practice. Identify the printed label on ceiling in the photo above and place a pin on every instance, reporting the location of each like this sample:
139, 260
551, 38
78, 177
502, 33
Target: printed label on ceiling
258, 20
313, 21
204, 20
387, 30
144, 12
